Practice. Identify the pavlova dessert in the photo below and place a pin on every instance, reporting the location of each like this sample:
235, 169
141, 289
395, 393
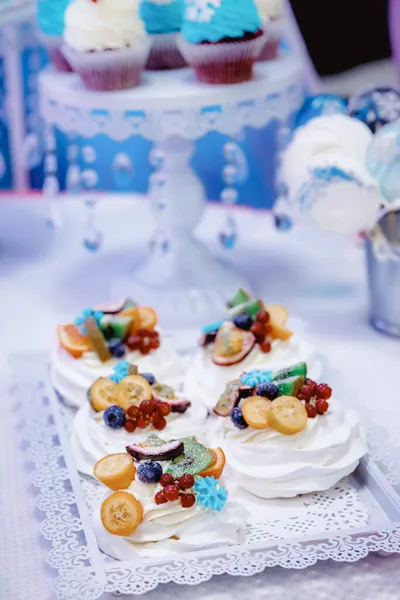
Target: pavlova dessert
283, 434
125, 408
90, 347
165, 497
252, 335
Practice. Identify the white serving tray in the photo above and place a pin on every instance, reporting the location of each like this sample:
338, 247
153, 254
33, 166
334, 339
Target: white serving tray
359, 516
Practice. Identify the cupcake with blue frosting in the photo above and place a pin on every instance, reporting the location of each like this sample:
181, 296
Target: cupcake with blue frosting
163, 20
221, 39
50, 20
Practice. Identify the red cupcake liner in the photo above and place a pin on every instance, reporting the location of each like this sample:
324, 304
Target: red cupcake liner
275, 30
270, 51
110, 70
53, 44
224, 62
164, 53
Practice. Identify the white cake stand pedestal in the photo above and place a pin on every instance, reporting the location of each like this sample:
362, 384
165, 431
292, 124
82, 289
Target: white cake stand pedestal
172, 109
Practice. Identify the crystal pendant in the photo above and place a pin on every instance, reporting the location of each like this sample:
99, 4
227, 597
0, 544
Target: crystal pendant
32, 151
122, 170
229, 234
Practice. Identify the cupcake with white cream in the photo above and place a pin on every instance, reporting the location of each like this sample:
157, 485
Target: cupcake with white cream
165, 498
106, 43
126, 408
91, 347
253, 335
271, 14
285, 435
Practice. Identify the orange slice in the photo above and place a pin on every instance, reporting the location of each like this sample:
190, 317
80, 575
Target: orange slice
278, 318
287, 415
121, 514
102, 394
255, 412
116, 471
132, 390
133, 312
217, 465
148, 317
72, 340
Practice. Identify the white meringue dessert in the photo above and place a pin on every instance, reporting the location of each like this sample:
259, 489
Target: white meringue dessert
151, 516
283, 447
78, 361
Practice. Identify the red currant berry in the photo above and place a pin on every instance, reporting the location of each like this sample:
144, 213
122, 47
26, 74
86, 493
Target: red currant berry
186, 482
322, 406
142, 422
160, 424
171, 492
265, 347
146, 407
133, 413
311, 411
188, 500
145, 348
312, 384
166, 479
257, 329
142, 332
133, 342
306, 392
324, 392
154, 343
130, 425
153, 333
160, 498
164, 409
260, 339
262, 316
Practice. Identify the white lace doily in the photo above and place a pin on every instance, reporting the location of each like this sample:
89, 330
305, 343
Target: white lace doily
340, 524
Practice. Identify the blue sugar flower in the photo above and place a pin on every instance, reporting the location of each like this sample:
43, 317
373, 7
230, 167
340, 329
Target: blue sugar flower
256, 377
210, 494
212, 327
88, 312
121, 370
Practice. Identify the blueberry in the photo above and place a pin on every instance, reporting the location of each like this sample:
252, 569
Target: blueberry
268, 390
149, 377
243, 322
114, 417
116, 347
149, 472
237, 419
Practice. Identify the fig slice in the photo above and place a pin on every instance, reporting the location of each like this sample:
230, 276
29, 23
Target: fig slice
149, 450
232, 346
234, 392
110, 308
179, 405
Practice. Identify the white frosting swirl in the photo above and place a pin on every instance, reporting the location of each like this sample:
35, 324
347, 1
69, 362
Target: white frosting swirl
270, 9
103, 25
92, 438
72, 377
205, 381
196, 527
269, 464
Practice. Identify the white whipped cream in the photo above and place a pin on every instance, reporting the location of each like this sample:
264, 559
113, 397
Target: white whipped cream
195, 527
103, 25
205, 381
269, 464
72, 377
92, 438
270, 9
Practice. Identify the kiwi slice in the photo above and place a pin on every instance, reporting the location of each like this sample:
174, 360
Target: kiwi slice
163, 391
195, 459
299, 369
290, 386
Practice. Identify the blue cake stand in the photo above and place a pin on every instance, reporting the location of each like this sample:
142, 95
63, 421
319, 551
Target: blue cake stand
172, 110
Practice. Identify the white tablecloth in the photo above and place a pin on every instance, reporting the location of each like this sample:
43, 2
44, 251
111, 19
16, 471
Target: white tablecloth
46, 277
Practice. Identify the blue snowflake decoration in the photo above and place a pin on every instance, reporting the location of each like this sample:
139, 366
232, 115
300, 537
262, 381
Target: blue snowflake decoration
121, 370
256, 377
376, 107
321, 105
210, 494
88, 312
212, 327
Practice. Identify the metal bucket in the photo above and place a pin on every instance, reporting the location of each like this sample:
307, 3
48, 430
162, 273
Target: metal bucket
383, 263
